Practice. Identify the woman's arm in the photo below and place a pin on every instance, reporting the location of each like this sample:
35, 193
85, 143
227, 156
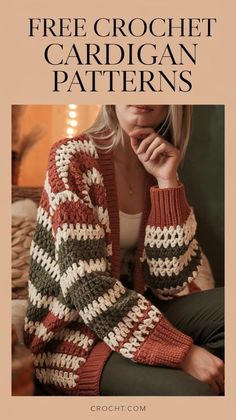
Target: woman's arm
172, 256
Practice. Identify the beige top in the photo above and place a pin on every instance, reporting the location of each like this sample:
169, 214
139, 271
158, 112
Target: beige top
129, 229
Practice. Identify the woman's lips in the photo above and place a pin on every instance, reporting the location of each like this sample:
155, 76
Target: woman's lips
142, 108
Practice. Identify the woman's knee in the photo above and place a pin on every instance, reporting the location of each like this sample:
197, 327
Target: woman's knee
122, 377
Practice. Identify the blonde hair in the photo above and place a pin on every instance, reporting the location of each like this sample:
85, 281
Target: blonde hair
176, 127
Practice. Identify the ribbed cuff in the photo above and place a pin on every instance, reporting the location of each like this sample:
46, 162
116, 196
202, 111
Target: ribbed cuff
169, 206
90, 373
165, 346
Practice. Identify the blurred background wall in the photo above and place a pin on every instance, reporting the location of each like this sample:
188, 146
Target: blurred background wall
203, 176
45, 124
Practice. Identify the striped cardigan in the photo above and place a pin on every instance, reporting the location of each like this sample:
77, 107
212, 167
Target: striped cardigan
78, 309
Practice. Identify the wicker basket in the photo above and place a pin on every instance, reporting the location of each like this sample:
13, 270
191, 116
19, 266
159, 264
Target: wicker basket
20, 193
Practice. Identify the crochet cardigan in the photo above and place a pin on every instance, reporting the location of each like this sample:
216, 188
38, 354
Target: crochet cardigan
78, 309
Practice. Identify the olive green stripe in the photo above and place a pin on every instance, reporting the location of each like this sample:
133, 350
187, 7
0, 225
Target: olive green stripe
36, 314
44, 239
105, 322
89, 289
174, 280
169, 252
42, 280
73, 250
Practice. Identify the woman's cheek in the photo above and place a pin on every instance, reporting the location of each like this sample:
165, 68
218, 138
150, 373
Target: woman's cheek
121, 114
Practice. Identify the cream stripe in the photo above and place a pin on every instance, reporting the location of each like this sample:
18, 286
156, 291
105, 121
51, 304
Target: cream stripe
63, 379
80, 231
171, 236
50, 194
54, 306
170, 266
66, 151
93, 176
63, 196
175, 290
43, 258
44, 219
119, 333
38, 329
81, 269
59, 360
103, 217
130, 347
123, 328
103, 303
75, 337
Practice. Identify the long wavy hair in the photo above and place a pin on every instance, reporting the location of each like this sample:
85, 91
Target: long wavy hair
175, 128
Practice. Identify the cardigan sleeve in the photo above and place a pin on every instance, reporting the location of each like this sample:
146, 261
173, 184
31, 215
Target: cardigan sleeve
172, 256
124, 319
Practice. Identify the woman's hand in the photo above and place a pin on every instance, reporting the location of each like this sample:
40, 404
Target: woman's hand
159, 157
206, 367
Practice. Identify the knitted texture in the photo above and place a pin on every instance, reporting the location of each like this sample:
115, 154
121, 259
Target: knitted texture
79, 311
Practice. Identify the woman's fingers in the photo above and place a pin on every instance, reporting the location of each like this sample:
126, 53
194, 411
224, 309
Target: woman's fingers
161, 149
220, 386
215, 386
142, 144
134, 143
148, 146
220, 375
141, 132
158, 151
221, 378
213, 381
216, 379
150, 143
146, 143
139, 135
151, 148
204, 366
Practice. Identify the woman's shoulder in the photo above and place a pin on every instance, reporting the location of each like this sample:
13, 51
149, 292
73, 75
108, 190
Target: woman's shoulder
68, 159
70, 145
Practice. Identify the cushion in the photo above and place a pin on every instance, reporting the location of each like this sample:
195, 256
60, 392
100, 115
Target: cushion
25, 208
19, 307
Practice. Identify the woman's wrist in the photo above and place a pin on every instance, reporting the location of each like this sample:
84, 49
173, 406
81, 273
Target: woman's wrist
167, 183
187, 356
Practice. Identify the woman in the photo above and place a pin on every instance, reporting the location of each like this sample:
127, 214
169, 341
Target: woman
113, 253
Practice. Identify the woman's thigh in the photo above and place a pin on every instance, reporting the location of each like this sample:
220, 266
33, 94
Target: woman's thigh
199, 315
123, 377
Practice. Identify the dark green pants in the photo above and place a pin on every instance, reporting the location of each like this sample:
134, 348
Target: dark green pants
201, 316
